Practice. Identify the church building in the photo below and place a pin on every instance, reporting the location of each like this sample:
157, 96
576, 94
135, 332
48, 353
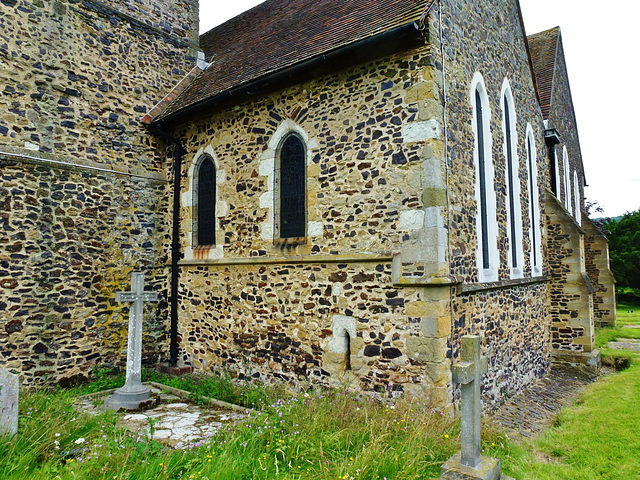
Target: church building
322, 192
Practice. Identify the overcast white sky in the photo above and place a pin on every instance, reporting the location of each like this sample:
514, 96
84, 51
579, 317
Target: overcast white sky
600, 42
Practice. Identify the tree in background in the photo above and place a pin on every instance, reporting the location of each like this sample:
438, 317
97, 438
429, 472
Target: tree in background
624, 250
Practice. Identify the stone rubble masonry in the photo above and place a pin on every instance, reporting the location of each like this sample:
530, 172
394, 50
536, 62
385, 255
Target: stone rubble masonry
84, 197
562, 117
375, 192
572, 319
513, 320
599, 271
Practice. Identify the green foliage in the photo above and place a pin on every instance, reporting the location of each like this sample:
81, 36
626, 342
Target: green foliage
624, 249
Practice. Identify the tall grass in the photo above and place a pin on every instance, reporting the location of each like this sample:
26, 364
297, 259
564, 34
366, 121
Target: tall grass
314, 435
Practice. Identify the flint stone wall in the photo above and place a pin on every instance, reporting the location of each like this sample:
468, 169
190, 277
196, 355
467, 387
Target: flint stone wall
84, 194
513, 320
562, 117
276, 311
572, 322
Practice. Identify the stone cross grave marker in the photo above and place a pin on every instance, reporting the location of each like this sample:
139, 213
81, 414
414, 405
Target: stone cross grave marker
468, 373
9, 394
133, 392
469, 463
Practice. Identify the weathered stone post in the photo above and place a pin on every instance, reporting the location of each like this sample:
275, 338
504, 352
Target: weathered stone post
9, 394
133, 393
469, 464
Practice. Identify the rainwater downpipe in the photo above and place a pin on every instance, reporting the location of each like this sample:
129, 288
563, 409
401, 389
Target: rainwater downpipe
175, 243
445, 131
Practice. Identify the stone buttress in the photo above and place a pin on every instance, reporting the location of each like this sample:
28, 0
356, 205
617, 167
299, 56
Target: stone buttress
599, 271
571, 290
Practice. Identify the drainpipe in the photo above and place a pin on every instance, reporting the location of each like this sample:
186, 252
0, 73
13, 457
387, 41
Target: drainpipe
175, 243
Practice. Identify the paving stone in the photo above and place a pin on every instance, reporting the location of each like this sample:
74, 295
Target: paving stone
174, 423
626, 344
534, 409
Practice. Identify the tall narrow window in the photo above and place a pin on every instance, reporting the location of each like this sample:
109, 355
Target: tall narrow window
566, 179
514, 211
292, 196
576, 198
482, 173
553, 165
487, 227
206, 202
534, 205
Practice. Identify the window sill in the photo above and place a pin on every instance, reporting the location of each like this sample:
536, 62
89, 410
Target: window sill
289, 242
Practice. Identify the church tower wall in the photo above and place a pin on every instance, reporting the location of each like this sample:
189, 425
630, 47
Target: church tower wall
84, 193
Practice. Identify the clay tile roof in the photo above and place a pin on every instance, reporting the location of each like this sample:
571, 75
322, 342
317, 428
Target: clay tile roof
544, 49
280, 33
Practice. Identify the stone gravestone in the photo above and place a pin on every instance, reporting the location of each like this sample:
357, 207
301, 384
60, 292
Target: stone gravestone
469, 463
133, 393
9, 394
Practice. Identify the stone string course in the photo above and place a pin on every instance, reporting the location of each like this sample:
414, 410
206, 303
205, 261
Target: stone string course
75, 79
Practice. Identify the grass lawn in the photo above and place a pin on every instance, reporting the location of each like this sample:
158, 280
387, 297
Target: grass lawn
628, 314
598, 437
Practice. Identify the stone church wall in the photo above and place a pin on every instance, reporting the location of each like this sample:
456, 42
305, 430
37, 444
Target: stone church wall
512, 316
562, 117
265, 309
84, 193
572, 320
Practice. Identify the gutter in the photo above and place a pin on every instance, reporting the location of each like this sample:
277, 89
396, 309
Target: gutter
366, 49
175, 242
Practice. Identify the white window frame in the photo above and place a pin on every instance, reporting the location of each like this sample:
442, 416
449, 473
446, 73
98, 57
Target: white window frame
489, 274
515, 258
535, 234
566, 179
576, 198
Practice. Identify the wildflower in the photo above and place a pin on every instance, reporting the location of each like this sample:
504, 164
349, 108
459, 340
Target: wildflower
57, 434
79, 441
446, 435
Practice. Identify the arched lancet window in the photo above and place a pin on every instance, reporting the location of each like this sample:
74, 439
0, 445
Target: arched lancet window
514, 211
576, 198
487, 228
566, 180
292, 188
534, 205
206, 202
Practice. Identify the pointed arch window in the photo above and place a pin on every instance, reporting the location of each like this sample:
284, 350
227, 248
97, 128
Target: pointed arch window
292, 188
576, 198
514, 210
534, 205
566, 180
206, 202
486, 220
